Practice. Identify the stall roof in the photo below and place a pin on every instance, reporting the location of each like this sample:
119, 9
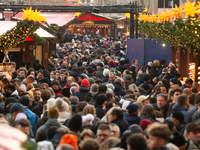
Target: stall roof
54, 18
8, 25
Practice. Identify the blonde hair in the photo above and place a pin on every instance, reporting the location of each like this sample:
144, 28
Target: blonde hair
89, 109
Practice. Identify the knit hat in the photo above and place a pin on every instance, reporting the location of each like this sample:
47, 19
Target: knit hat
173, 80
85, 82
118, 73
62, 105
144, 123
91, 80
146, 77
135, 128
125, 104
132, 108
75, 123
50, 103
142, 98
53, 112
20, 116
24, 100
69, 139
22, 88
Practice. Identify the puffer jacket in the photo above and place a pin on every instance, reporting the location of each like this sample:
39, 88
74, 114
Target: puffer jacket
193, 109
118, 89
32, 117
82, 93
41, 133
128, 80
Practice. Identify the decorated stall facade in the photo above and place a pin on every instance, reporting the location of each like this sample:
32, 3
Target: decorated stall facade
181, 28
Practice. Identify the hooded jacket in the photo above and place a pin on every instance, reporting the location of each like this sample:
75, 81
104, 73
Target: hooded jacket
128, 80
122, 123
32, 117
118, 89
82, 92
132, 119
41, 133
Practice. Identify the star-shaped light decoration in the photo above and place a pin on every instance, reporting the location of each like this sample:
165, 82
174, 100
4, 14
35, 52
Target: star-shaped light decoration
146, 18
141, 17
160, 17
177, 12
78, 14
198, 7
189, 9
167, 15
27, 14
145, 10
153, 18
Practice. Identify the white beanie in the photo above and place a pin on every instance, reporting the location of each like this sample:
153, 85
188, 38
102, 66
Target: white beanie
62, 105
87, 119
50, 103
22, 88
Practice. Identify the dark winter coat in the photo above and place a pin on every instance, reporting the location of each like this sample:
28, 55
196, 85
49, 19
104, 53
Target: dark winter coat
41, 122
100, 112
118, 89
33, 105
151, 118
90, 75
122, 123
82, 92
132, 119
121, 68
139, 81
105, 79
99, 72
128, 80
39, 108
41, 132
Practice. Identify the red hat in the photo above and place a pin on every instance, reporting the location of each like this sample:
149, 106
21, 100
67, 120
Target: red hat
85, 82
144, 123
69, 139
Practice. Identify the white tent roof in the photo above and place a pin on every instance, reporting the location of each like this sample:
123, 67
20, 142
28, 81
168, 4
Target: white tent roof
8, 25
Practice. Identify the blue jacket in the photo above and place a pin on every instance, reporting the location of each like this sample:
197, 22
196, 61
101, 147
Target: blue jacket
179, 108
32, 117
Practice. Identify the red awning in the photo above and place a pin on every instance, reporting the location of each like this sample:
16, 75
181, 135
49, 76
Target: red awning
91, 18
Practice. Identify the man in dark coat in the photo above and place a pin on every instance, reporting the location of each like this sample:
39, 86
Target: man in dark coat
118, 89
84, 89
132, 116
100, 102
117, 117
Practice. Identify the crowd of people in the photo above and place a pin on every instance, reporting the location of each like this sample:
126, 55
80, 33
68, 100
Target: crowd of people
90, 98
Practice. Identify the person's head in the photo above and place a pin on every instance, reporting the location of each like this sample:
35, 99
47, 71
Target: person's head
21, 73
16, 83
89, 70
114, 130
90, 144
112, 77
188, 82
94, 88
89, 109
174, 94
193, 131
187, 91
70, 79
135, 62
178, 119
161, 88
183, 100
161, 100
23, 125
44, 86
147, 111
101, 100
143, 99
31, 71
110, 97
159, 135
115, 115
57, 75
103, 133
133, 109
40, 74
53, 112
75, 123
62, 76
81, 106
15, 109
108, 143
52, 74
136, 142
4, 82
37, 94
9, 89
46, 94
85, 134
106, 72
30, 79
